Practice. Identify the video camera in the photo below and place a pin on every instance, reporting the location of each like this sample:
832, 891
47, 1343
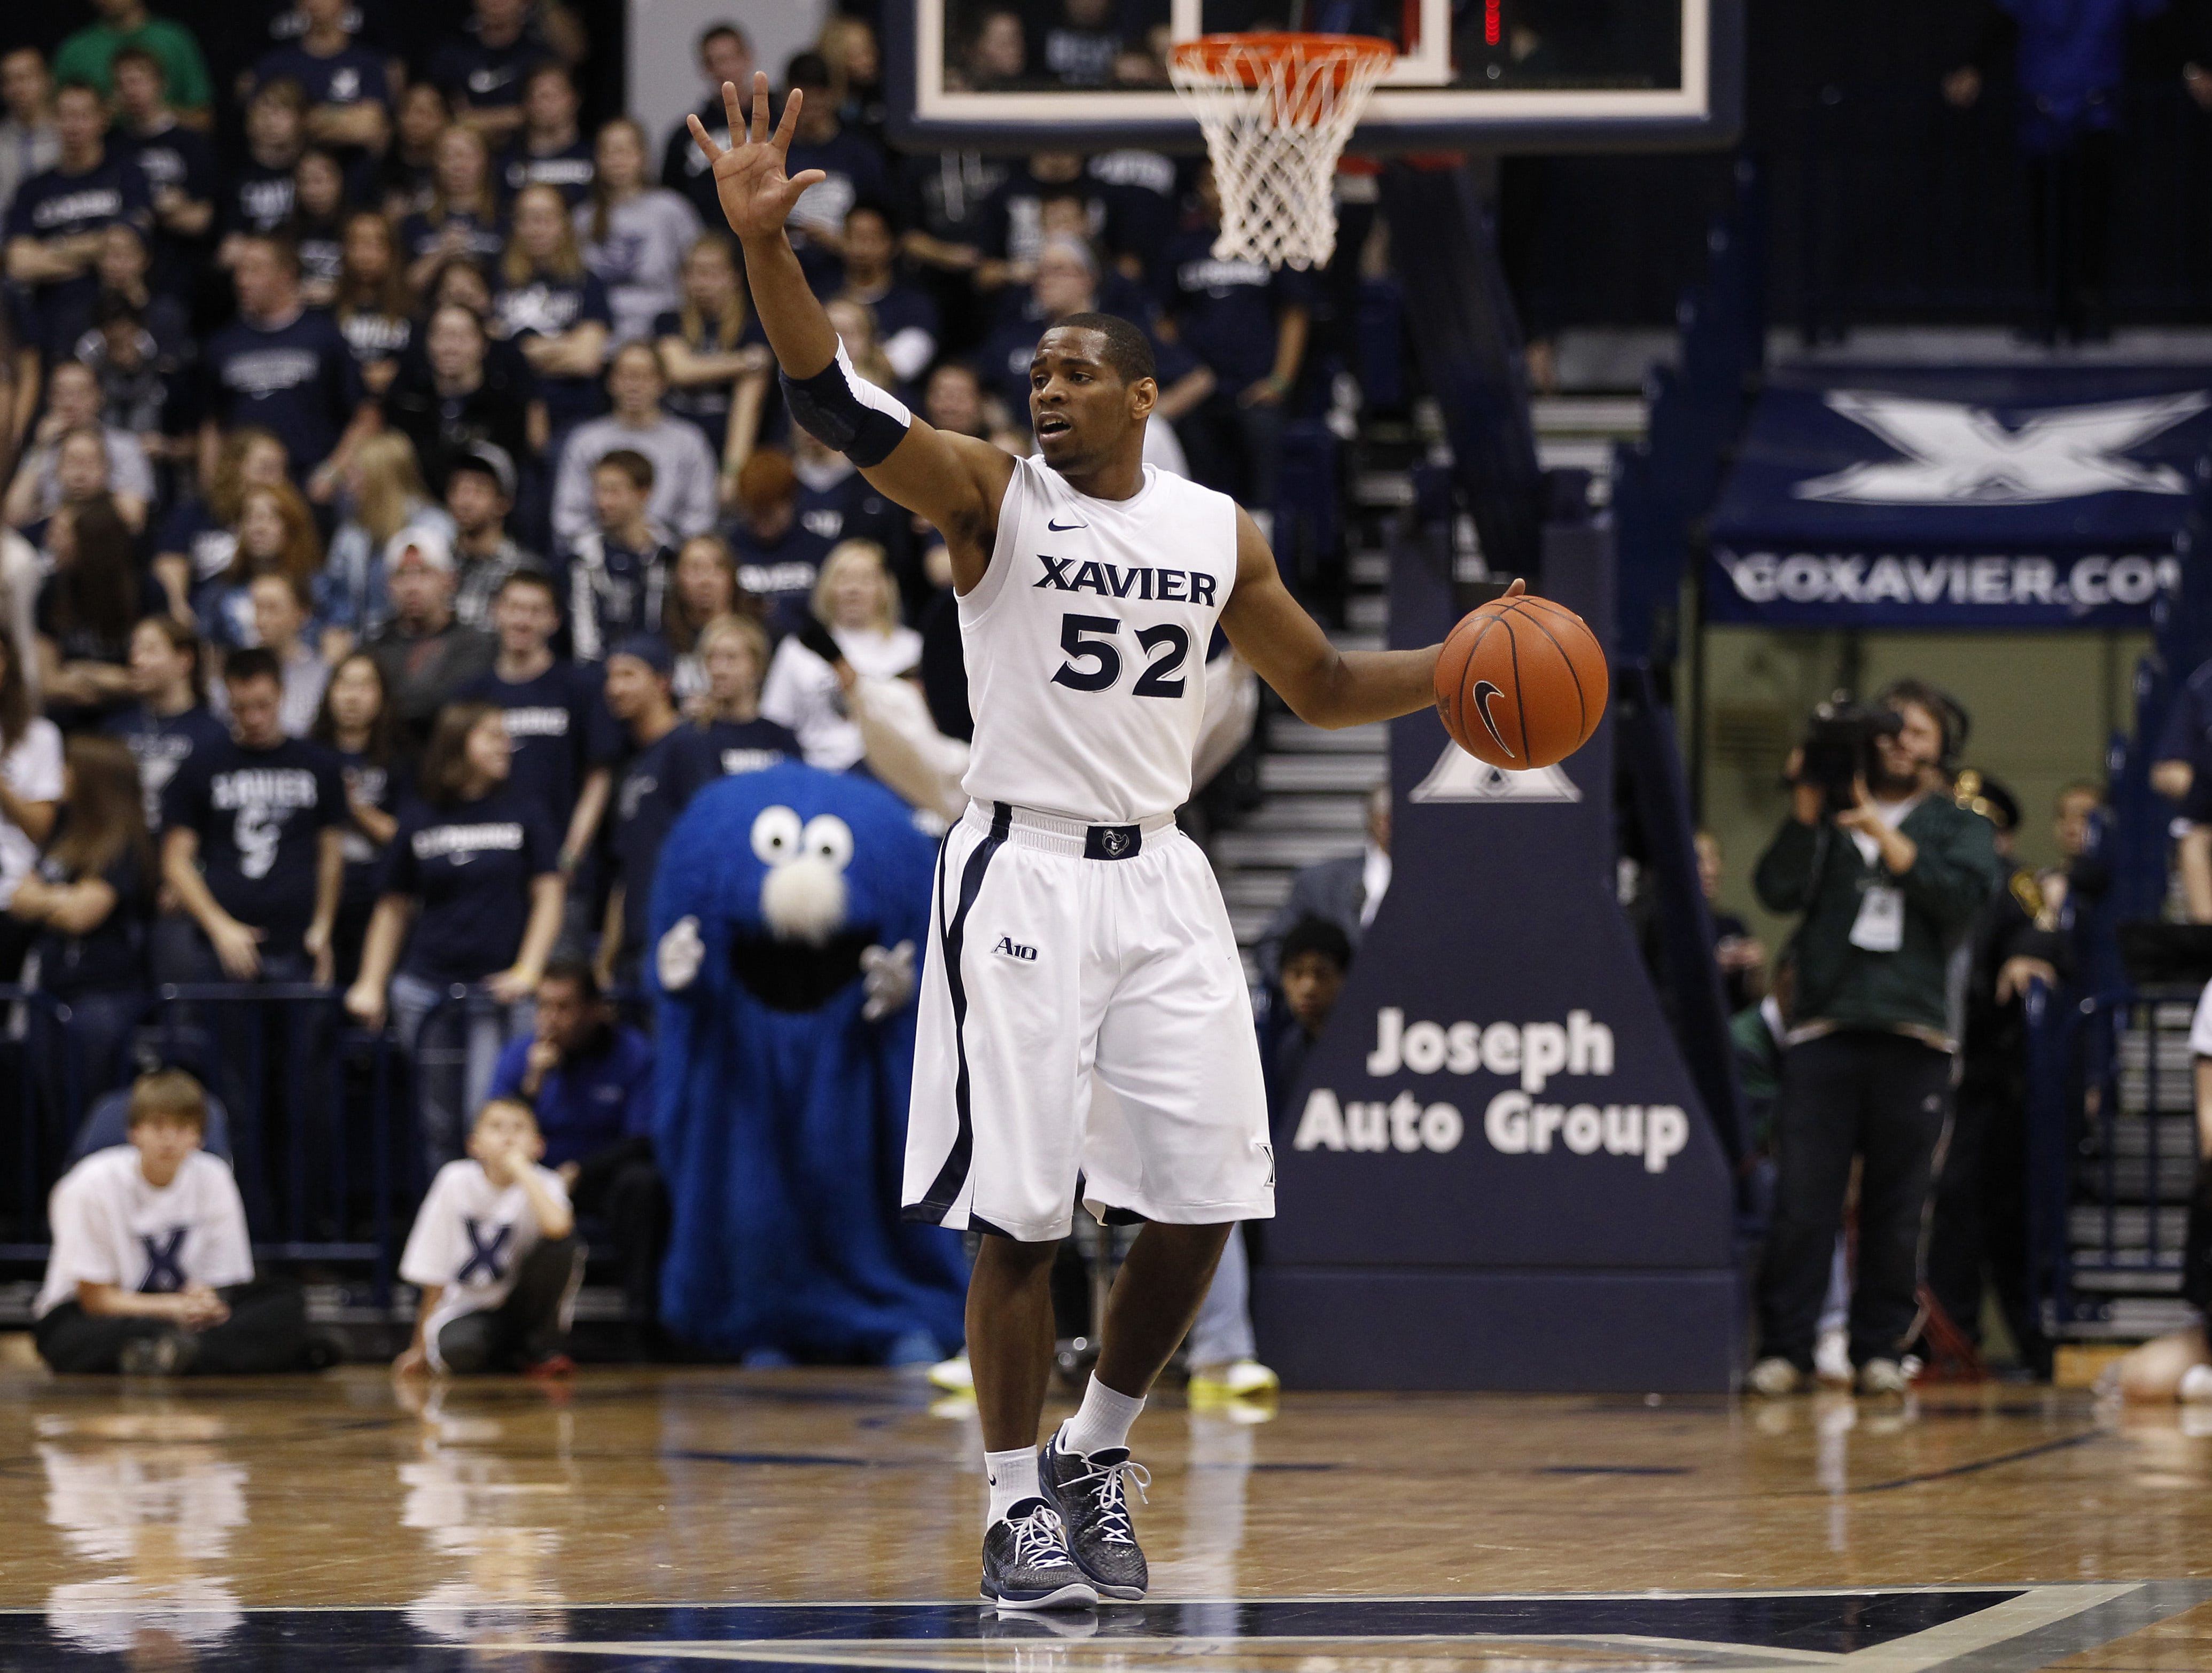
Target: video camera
1839, 748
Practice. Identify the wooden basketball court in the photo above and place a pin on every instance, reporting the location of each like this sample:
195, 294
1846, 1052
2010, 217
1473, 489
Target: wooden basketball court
661, 1519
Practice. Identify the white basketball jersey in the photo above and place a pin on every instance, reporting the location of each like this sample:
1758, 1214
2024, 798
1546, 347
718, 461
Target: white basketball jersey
1086, 642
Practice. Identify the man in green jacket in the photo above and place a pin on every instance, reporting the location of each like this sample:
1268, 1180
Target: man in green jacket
1886, 889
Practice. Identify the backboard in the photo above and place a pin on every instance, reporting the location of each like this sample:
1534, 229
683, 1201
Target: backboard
1014, 75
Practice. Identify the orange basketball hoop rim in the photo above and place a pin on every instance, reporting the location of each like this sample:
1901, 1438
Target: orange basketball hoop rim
1276, 109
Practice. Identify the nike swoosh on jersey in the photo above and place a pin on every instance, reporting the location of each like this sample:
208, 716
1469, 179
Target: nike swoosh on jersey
1062, 527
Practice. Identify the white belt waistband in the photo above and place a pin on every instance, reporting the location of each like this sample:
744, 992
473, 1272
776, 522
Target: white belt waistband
1071, 838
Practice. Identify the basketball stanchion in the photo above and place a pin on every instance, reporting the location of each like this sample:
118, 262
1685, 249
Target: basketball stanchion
1276, 109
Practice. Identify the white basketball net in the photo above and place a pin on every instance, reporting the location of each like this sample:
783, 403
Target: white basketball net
1276, 110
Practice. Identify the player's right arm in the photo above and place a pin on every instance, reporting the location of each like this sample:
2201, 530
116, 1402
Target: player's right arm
954, 481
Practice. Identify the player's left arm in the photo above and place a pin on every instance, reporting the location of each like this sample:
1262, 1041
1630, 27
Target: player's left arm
1324, 686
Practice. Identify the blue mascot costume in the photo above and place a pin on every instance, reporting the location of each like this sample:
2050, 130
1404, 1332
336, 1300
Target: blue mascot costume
785, 914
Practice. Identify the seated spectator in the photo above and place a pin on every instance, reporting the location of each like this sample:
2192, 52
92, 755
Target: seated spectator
1011, 228
957, 399
276, 535
282, 608
837, 502
89, 900
480, 486
551, 306
122, 267
858, 601
124, 353
461, 221
1345, 892
1741, 959
617, 573
286, 369
171, 720
482, 70
81, 470
88, 57
1246, 322
357, 724
348, 94
905, 317
718, 360
1314, 957
199, 540
29, 143
73, 403
996, 56
589, 1078
251, 844
30, 787
385, 497
563, 739
734, 650
856, 325
54, 223
406, 179
179, 162
853, 171
85, 614
683, 470
779, 557
316, 227
550, 151
152, 1268
458, 394
370, 301
634, 234
18, 600
493, 1256
475, 867
850, 47
424, 652
667, 764
725, 55
1079, 43
260, 194
703, 586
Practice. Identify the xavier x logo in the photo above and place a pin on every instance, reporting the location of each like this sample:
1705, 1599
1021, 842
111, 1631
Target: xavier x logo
165, 1274
1958, 454
483, 1252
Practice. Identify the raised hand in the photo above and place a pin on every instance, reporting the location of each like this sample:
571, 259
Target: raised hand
755, 194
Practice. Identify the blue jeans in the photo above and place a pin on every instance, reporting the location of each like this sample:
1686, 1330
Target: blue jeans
454, 1065
1223, 1330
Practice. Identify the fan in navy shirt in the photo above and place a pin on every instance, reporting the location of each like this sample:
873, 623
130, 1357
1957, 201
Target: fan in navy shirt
554, 308
54, 224
170, 723
253, 846
258, 195
182, 178
359, 723
618, 572
853, 171
725, 55
779, 557
734, 649
476, 869
550, 150
671, 762
483, 70
348, 90
564, 742
283, 367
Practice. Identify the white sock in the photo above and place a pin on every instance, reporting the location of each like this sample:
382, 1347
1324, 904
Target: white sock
1102, 1421
1013, 1477
2196, 1384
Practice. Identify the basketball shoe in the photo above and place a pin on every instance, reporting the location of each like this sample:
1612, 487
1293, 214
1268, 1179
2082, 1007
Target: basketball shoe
1088, 1491
1027, 1564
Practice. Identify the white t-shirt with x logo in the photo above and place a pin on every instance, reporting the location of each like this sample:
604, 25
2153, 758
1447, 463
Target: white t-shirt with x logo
471, 1236
111, 1226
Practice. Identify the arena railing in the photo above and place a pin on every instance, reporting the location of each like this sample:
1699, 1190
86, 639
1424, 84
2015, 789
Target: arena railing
2111, 1156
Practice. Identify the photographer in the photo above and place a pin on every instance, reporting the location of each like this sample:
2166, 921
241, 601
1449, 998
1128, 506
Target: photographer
1889, 872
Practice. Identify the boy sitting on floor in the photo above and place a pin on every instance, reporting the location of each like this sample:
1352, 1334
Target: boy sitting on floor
151, 1272
494, 1254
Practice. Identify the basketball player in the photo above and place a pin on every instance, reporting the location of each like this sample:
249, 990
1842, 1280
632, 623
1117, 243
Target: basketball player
1083, 1018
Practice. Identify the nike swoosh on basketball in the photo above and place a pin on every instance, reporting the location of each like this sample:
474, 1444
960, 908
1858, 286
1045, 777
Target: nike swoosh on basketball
1483, 691
1062, 527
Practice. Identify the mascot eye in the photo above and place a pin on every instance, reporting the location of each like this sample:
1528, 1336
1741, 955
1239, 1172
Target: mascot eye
776, 836
828, 838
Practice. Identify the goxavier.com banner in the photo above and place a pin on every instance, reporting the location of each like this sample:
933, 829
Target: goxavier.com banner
1985, 589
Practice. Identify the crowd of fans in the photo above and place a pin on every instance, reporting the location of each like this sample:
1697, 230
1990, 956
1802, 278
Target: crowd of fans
402, 522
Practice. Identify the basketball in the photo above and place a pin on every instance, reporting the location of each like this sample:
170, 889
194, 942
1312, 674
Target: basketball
1520, 683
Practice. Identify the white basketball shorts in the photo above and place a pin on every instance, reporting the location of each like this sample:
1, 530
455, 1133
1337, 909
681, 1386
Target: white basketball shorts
1084, 1019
